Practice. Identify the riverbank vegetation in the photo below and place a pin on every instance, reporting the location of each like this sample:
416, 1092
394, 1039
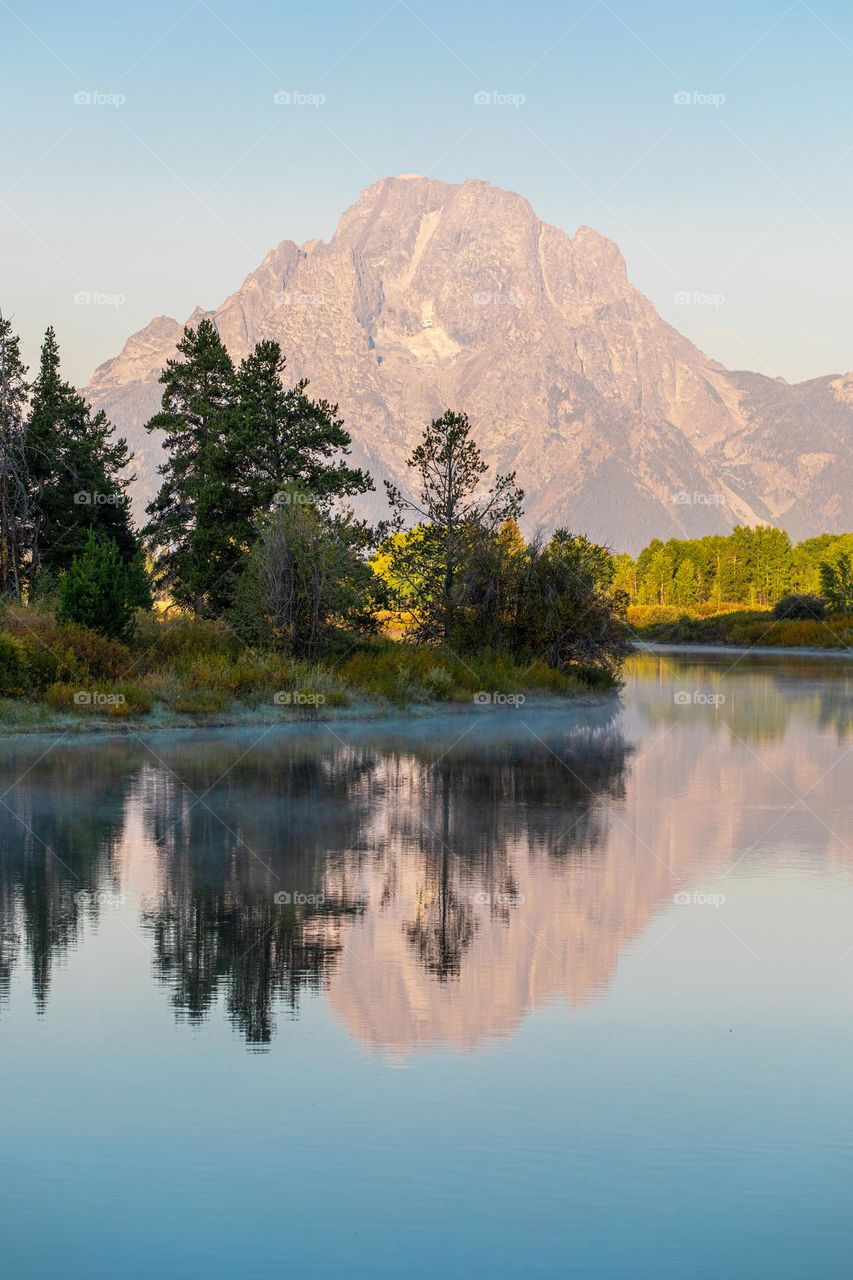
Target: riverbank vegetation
752, 588
747, 569
743, 628
253, 587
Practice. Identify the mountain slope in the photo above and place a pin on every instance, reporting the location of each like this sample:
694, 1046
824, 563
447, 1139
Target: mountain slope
432, 296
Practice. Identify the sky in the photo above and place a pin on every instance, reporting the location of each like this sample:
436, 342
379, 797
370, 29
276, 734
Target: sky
148, 168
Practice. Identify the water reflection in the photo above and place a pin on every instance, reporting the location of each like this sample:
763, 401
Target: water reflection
61, 817
435, 879
760, 697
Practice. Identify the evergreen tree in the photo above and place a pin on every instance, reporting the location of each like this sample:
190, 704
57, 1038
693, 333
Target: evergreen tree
450, 468
97, 590
286, 439
15, 489
74, 469
234, 440
188, 523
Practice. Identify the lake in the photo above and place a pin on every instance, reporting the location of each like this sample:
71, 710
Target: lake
513, 992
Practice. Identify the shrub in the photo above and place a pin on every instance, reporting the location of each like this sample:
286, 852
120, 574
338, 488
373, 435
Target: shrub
800, 607
164, 640
14, 677
305, 575
98, 592
89, 652
403, 673
114, 700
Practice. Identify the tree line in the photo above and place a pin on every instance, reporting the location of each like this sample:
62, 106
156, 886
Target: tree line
757, 566
62, 477
252, 523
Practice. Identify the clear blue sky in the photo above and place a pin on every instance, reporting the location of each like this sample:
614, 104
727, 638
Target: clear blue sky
169, 199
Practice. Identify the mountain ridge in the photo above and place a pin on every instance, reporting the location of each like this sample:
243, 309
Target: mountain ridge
432, 295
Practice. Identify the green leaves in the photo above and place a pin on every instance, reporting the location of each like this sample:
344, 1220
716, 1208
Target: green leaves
450, 515
305, 576
74, 470
98, 591
836, 582
234, 439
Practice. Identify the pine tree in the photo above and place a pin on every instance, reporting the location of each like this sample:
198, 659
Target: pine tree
15, 490
74, 468
97, 590
187, 523
450, 468
285, 438
234, 440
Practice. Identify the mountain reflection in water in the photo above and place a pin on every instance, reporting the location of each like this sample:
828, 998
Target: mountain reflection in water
436, 879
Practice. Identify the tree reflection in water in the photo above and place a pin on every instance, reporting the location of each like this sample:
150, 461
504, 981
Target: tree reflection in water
261, 857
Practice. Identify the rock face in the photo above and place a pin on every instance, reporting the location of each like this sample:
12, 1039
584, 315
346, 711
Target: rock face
433, 296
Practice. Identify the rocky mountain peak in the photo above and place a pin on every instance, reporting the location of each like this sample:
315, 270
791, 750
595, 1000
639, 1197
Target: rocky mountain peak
432, 295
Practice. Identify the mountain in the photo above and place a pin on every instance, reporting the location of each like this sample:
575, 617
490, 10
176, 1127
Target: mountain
432, 296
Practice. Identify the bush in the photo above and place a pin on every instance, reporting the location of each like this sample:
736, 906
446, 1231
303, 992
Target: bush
115, 700
33, 659
89, 652
403, 673
98, 592
163, 640
305, 576
800, 607
14, 677
201, 702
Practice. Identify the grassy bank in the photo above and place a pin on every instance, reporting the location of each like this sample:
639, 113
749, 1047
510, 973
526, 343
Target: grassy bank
737, 626
189, 673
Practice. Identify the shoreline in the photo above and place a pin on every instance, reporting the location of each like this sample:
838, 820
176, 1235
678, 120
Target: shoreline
365, 711
764, 651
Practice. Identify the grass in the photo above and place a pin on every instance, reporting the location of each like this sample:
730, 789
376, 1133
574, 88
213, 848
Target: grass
648, 615
743, 628
184, 671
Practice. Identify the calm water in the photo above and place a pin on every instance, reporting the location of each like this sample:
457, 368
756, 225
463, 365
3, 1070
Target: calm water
512, 993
